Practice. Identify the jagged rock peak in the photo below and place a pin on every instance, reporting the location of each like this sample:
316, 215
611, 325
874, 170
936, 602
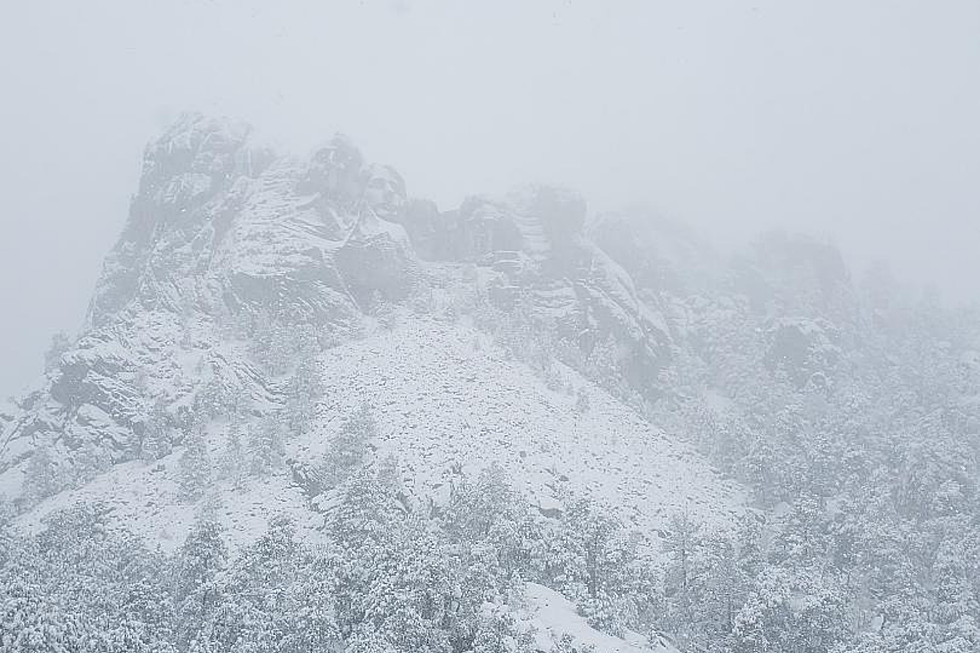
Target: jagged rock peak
199, 145
225, 236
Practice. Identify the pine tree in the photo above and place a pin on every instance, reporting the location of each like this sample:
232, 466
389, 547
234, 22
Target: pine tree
194, 466
683, 581
489, 520
349, 447
265, 446
157, 440
233, 463
90, 461
197, 592
42, 477
607, 555
32, 622
368, 503
7, 512
604, 365
311, 610
304, 390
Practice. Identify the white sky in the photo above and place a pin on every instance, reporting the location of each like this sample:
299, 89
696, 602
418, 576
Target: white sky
856, 119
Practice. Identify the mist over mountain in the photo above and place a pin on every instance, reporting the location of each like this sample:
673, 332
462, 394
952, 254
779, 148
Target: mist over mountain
852, 122
309, 411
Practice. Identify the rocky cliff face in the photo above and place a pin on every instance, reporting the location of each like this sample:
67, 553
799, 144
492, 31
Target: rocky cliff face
226, 240
222, 232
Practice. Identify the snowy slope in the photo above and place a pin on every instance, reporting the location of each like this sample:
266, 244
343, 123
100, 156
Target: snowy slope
224, 237
144, 498
552, 616
442, 396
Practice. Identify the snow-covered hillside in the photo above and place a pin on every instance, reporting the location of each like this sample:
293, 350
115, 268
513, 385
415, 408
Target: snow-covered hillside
444, 395
498, 428
447, 402
277, 297
553, 616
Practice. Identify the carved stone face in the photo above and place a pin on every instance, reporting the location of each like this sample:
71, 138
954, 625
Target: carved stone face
384, 192
335, 169
338, 153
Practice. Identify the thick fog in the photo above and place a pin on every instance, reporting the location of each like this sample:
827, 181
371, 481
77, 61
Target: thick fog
490, 327
851, 120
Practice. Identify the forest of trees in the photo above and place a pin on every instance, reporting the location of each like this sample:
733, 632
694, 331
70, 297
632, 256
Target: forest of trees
390, 577
393, 576
859, 444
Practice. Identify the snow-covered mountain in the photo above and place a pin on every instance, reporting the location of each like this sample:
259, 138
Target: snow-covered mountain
447, 403
221, 231
235, 262
537, 414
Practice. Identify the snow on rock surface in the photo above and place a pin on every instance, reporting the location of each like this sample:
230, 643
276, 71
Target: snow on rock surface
440, 400
144, 498
552, 616
225, 239
220, 229
222, 232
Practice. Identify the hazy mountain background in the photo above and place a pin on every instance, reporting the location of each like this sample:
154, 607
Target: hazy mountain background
576, 342
849, 120
310, 411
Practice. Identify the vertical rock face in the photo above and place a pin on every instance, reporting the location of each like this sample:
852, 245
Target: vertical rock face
659, 256
170, 224
534, 240
222, 231
797, 275
544, 224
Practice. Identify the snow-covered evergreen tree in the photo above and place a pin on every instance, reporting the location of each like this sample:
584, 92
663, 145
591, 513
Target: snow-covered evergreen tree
303, 391
349, 447
197, 592
234, 463
158, 432
42, 478
265, 445
194, 465
90, 461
